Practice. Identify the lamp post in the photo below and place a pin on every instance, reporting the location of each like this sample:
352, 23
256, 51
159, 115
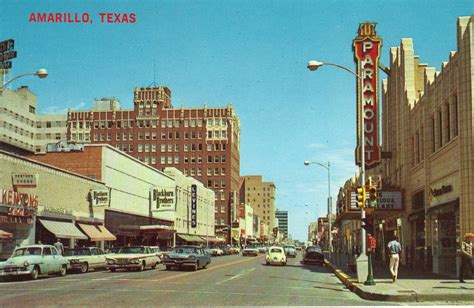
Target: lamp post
328, 168
313, 65
41, 73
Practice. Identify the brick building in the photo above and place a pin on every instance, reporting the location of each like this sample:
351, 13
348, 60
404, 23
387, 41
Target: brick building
203, 142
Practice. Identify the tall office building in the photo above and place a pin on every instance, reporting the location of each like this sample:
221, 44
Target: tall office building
261, 197
201, 142
282, 217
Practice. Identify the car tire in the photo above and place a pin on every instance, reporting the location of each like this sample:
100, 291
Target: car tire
141, 267
35, 272
196, 266
168, 267
154, 265
113, 270
63, 270
84, 268
205, 265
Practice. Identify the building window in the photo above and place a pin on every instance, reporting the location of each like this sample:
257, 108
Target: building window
176, 147
170, 159
130, 136
147, 135
209, 134
199, 159
163, 147
448, 122
199, 171
109, 136
199, 135
186, 159
186, 135
224, 134
186, 123
209, 171
163, 135
186, 147
140, 136
163, 159
176, 159
200, 147
455, 116
140, 148
153, 135
147, 148
153, 160
117, 137
130, 148
440, 128
223, 158
124, 136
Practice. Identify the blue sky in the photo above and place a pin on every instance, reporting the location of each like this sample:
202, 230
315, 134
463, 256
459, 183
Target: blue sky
252, 54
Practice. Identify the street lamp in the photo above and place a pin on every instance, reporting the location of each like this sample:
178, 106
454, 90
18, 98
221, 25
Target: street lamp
328, 168
41, 73
314, 65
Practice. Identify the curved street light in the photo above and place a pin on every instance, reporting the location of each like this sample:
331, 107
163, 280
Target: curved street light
41, 73
328, 168
313, 65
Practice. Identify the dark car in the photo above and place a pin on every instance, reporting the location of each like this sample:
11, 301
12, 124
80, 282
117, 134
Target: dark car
193, 257
313, 255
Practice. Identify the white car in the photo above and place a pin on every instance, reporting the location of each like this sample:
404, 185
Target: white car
86, 258
250, 251
135, 257
275, 255
216, 251
34, 260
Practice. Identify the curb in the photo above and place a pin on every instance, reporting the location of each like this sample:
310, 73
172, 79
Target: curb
353, 286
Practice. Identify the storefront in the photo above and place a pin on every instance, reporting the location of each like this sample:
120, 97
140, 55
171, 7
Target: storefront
134, 229
42, 203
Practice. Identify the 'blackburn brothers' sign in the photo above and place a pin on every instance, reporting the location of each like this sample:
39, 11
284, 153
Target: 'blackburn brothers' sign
366, 47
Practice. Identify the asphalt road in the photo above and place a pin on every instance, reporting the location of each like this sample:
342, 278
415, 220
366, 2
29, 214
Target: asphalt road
229, 280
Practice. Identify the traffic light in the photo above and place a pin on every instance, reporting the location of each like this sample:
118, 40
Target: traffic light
360, 196
373, 196
368, 225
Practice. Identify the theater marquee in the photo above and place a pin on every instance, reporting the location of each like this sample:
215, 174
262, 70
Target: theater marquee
366, 47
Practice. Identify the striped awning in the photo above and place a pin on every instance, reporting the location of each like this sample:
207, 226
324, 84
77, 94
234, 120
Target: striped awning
97, 233
63, 229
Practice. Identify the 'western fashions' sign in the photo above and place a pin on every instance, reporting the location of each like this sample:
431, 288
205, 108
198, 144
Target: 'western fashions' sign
366, 47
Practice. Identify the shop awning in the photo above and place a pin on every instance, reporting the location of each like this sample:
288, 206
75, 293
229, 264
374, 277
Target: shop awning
63, 229
97, 233
5, 235
191, 238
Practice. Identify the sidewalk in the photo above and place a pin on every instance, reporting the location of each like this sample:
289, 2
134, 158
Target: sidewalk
412, 285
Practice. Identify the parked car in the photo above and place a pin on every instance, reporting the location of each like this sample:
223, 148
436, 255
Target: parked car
158, 251
250, 251
234, 250
262, 249
216, 251
85, 258
290, 251
135, 257
34, 260
275, 255
193, 257
313, 255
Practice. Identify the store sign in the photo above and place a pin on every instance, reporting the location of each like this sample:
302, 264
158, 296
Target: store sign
14, 198
435, 192
25, 180
367, 47
193, 206
164, 198
7, 53
99, 197
56, 210
386, 200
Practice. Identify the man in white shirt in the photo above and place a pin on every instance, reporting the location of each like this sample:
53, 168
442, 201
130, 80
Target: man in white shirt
394, 249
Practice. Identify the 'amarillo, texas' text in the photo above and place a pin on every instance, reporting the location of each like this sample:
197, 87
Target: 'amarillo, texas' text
127, 18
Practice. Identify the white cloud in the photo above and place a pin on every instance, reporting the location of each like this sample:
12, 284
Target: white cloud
55, 109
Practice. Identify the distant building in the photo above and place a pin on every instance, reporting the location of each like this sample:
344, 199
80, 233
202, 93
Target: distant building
261, 196
282, 217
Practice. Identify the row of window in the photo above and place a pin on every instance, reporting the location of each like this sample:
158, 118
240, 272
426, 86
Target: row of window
17, 117
48, 136
49, 124
18, 142
444, 127
216, 122
18, 130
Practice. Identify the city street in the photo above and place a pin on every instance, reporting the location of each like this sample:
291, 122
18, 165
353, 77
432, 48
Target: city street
229, 280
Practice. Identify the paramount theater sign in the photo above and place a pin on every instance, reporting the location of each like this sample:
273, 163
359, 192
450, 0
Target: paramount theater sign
366, 47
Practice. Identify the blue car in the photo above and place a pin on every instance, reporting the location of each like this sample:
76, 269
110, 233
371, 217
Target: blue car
193, 257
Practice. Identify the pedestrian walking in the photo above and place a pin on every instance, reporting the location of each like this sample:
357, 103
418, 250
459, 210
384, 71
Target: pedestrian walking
394, 249
466, 256
59, 246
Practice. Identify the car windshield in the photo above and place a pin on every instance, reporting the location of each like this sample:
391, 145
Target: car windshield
132, 250
276, 250
289, 247
185, 250
78, 252
27, 251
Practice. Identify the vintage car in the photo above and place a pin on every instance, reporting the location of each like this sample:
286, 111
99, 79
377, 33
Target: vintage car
250, 251
275, 255
34, 260
262, 249
234, 250
313, 255
193, 257
134, 257
290, 251
216, 251
86, 258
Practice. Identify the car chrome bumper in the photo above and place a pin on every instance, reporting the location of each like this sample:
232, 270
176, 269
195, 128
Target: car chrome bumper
179, 262
115, 266
14, 273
